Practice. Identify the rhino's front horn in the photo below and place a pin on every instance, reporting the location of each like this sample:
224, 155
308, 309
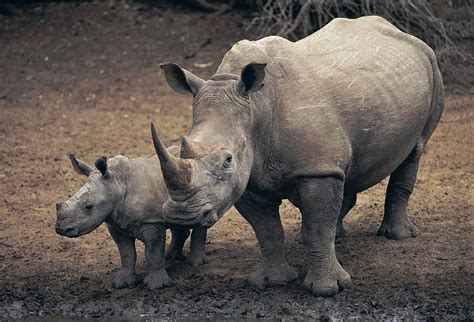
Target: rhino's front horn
190, 149
177, 172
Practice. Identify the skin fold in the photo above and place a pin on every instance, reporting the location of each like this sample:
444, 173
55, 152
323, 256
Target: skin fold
128, 195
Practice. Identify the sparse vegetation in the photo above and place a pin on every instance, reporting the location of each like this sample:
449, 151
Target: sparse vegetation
441, 24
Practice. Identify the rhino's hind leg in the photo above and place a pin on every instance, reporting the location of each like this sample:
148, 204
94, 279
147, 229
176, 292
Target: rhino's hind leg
178, 238
263, 216
347, 204
320, 202
396, 224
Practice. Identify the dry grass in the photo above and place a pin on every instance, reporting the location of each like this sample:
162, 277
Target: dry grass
295, 19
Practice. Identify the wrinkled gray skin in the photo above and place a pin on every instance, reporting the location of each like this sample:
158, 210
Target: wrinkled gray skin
128, 194
316, 122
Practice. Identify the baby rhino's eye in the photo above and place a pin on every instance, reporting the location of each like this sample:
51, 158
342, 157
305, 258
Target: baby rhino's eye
88, 206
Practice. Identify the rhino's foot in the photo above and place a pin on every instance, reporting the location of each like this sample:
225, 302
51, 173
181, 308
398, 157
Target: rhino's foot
196, 260
398, 230
155, 280
125, 279
175, 254
272, 275
327, 282
340, 231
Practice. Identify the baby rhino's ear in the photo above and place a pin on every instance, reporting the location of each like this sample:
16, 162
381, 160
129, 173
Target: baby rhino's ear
80, 166
101, 165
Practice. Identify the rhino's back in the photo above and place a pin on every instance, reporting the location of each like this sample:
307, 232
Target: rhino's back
364, 92
353, 97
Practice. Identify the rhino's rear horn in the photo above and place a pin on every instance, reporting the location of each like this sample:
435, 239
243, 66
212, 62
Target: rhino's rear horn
177, 172
191, 149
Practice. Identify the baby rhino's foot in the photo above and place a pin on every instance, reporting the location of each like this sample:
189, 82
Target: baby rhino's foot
125, 279
155, 280
398, 230
271, 275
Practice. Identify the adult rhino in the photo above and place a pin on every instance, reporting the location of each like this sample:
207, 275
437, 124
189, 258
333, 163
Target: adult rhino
314, 121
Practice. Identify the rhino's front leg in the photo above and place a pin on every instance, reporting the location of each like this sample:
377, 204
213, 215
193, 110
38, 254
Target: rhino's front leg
197, 254
154, 238
262, 214
320, 201
178, 238
126, 276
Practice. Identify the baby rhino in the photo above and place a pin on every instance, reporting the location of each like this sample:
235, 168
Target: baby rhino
128, 194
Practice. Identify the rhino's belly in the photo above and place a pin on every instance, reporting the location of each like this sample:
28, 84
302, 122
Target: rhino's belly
365, 140
378, 159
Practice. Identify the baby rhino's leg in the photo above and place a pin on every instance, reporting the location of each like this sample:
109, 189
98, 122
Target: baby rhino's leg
126, 276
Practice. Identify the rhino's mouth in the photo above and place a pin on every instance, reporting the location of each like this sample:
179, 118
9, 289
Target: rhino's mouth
68, 231
209, 218
205, 216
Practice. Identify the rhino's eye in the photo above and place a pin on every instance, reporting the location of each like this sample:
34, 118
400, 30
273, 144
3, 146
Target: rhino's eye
227, 162
88, 206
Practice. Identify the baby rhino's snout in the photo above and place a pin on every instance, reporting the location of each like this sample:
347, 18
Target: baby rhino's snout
62, 226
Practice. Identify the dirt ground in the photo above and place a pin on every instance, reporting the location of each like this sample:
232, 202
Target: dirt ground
85, 79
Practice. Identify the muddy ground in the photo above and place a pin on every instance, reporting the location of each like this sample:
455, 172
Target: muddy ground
85, 79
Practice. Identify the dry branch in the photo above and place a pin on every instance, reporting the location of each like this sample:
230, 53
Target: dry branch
298, 18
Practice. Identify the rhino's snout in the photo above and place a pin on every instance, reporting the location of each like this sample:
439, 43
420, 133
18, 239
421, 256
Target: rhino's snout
63, 226
66, 230
209, 218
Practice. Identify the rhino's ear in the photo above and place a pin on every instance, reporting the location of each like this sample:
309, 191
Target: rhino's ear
101, 165
181, 80
251, 78
80, 166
